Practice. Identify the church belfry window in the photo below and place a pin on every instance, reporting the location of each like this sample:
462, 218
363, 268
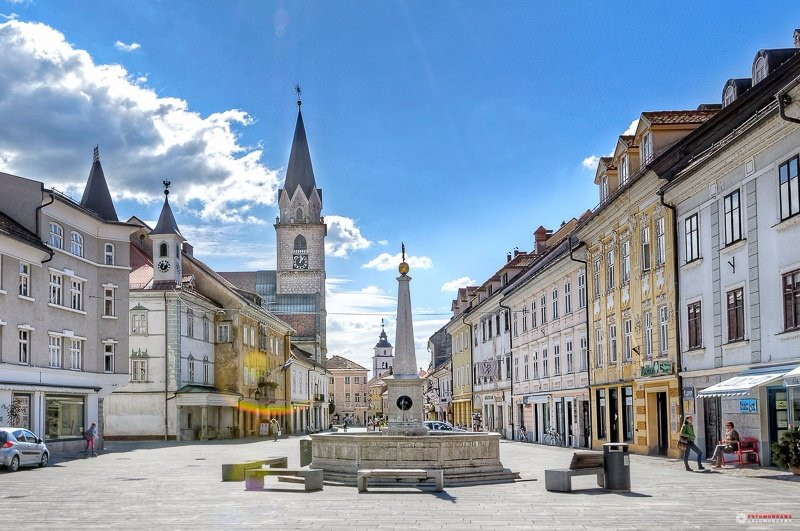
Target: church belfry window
300, 243
163, 249
299, 215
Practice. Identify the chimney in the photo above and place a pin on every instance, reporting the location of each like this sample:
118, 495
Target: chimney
508, 257
797, 38
188, 249
540, 237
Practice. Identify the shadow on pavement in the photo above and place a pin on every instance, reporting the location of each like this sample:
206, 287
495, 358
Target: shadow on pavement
598, 491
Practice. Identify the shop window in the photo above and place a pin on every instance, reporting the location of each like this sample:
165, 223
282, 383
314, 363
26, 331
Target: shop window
64, 417
601, 413
627, 413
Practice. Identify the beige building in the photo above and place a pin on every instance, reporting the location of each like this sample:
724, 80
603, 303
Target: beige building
348, 391
461, 334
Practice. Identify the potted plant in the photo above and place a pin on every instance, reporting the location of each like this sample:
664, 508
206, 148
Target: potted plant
786, 452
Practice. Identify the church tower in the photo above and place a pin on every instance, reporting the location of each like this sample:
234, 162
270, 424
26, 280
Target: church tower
167, 242
301, 230
383, 359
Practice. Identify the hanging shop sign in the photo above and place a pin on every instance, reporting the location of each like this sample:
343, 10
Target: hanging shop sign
657, 368
748, 405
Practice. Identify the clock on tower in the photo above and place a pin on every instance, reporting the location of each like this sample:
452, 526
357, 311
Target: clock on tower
300, 261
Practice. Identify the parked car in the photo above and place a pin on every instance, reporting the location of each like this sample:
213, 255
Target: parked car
20, 447
438, 425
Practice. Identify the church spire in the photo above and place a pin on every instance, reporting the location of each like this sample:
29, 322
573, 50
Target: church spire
299, 171
166, 221
96, 196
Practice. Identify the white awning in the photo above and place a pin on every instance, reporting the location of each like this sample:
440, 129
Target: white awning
792, 377
740, 385
535, 399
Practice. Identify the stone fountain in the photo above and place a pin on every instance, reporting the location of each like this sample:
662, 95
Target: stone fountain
465, 457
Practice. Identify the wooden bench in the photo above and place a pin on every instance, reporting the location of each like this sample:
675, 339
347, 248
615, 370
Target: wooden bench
254, 477
747, 445
235, 471
583, 464
437, 474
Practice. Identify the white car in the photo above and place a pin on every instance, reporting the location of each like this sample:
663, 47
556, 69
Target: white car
20, 447
438, 425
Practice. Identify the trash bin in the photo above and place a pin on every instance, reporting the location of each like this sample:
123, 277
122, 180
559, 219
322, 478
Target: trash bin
617, 466
305, 452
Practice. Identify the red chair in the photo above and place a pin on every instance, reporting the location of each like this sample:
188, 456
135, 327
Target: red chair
747, 445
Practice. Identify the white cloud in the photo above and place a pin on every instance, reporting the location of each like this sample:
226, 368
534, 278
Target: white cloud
121, 46
10, 16
386, 261
343, 237
590, 162
383, 242
57, 103
631, 128
19, 2
453, 285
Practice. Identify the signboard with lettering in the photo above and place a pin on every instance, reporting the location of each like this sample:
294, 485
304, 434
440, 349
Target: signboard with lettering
748, 405
657, 368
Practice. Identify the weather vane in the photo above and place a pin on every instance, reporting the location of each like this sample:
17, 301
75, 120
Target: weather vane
403, 247
96, 154
166, 184
299, 92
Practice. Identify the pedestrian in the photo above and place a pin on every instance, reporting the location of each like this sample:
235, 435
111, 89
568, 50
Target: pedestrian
728, 445
276, 429
687, 438
90, 435
345, 424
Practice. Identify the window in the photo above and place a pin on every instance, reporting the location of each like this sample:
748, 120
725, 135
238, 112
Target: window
733, 222
138, 367
56, 235
661, 250
729, 96
356, 379
191, 368
596, 278
358, 397
525, 368
300, 243
625, 262
543, 307
695, 325
791, 300
601, 413
584, 353
556, 360
516, 369
75, 354
524, 318
533, 314
252, 336
598, 350
623, 170
223, 333
206, 329
24, 346
76, 295
139, 323
663, 335
108, 357
692, 235
612, 343
648, 334
736, 314
347, 379
76, 240
535, 365
604, 189
760, 70
581, 290
788, 188
55, 289
347, 397
627, 346
627, 413
163, 250
570, 360
490, 327
108, 302
545, 373
610, 270
54, 349
647, 148
506, 319
64, 417
516, 331
497, 323
108, 258
206, 371
24, 279
567, 297
483, 330
555, 303
244, 334
645, 246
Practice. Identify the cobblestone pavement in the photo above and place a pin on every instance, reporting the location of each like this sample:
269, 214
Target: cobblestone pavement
152, 485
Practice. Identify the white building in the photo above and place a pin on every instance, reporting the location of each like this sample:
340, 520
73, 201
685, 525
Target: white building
63, 319
383, 358
734, 184
309, 389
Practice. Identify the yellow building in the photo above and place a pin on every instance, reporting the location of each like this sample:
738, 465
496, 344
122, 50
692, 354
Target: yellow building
462, 359
631, 283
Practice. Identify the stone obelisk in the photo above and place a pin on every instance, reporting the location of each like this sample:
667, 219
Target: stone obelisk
404, 384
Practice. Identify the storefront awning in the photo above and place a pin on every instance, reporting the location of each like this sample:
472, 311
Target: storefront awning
792, 377
743, 383
535, 399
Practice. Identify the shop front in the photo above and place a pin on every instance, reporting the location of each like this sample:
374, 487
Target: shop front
570, 411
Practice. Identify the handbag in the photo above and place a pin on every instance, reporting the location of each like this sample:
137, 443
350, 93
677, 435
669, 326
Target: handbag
683, 442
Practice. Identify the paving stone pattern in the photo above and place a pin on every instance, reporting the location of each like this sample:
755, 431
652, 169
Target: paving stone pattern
152, 485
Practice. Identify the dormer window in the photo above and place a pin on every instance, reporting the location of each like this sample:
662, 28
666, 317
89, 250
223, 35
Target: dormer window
647, 148
729, 96
623, 170
760, 69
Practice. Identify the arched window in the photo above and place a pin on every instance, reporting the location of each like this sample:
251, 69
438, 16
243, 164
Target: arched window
56, 235
77, 243
299, 215
300, 243
760, 69
109, 254
163, 249
191, 368
730, 95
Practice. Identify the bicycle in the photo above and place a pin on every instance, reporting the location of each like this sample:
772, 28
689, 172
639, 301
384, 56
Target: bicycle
552, 437
522, 435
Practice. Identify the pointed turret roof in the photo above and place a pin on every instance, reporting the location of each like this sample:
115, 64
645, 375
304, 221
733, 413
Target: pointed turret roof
299, 172
166, 221
384, 342
96, 196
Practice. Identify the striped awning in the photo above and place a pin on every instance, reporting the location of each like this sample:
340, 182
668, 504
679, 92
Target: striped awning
740, 385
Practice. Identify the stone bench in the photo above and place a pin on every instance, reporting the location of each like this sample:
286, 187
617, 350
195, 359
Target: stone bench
582, 464
406, 473
254, 477
235, 471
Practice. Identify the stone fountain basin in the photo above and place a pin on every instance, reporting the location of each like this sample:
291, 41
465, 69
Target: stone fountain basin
465, 457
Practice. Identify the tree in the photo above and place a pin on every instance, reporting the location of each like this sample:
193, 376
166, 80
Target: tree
13, 412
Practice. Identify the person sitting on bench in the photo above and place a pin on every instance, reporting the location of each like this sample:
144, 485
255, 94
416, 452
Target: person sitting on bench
728, 445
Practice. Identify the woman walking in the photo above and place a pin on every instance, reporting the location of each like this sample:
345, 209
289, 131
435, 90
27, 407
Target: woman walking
687, 437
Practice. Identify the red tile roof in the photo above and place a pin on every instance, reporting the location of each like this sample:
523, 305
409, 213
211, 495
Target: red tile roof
678, 117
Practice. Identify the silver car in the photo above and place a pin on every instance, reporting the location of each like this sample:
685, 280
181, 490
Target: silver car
438, 425
20, 447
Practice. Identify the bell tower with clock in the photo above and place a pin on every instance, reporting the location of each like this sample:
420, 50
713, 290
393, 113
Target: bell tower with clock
167, 242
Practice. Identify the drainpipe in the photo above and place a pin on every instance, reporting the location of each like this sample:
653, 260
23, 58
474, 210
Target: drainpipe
678, 357
784, 99
586, 311
36, 216
511, 351
166, 379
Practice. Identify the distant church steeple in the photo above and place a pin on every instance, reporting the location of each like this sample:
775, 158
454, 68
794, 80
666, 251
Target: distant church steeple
383, 359
96, 196
167, 243
299, 172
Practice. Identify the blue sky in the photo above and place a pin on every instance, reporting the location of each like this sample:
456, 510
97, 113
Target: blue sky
458, 127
